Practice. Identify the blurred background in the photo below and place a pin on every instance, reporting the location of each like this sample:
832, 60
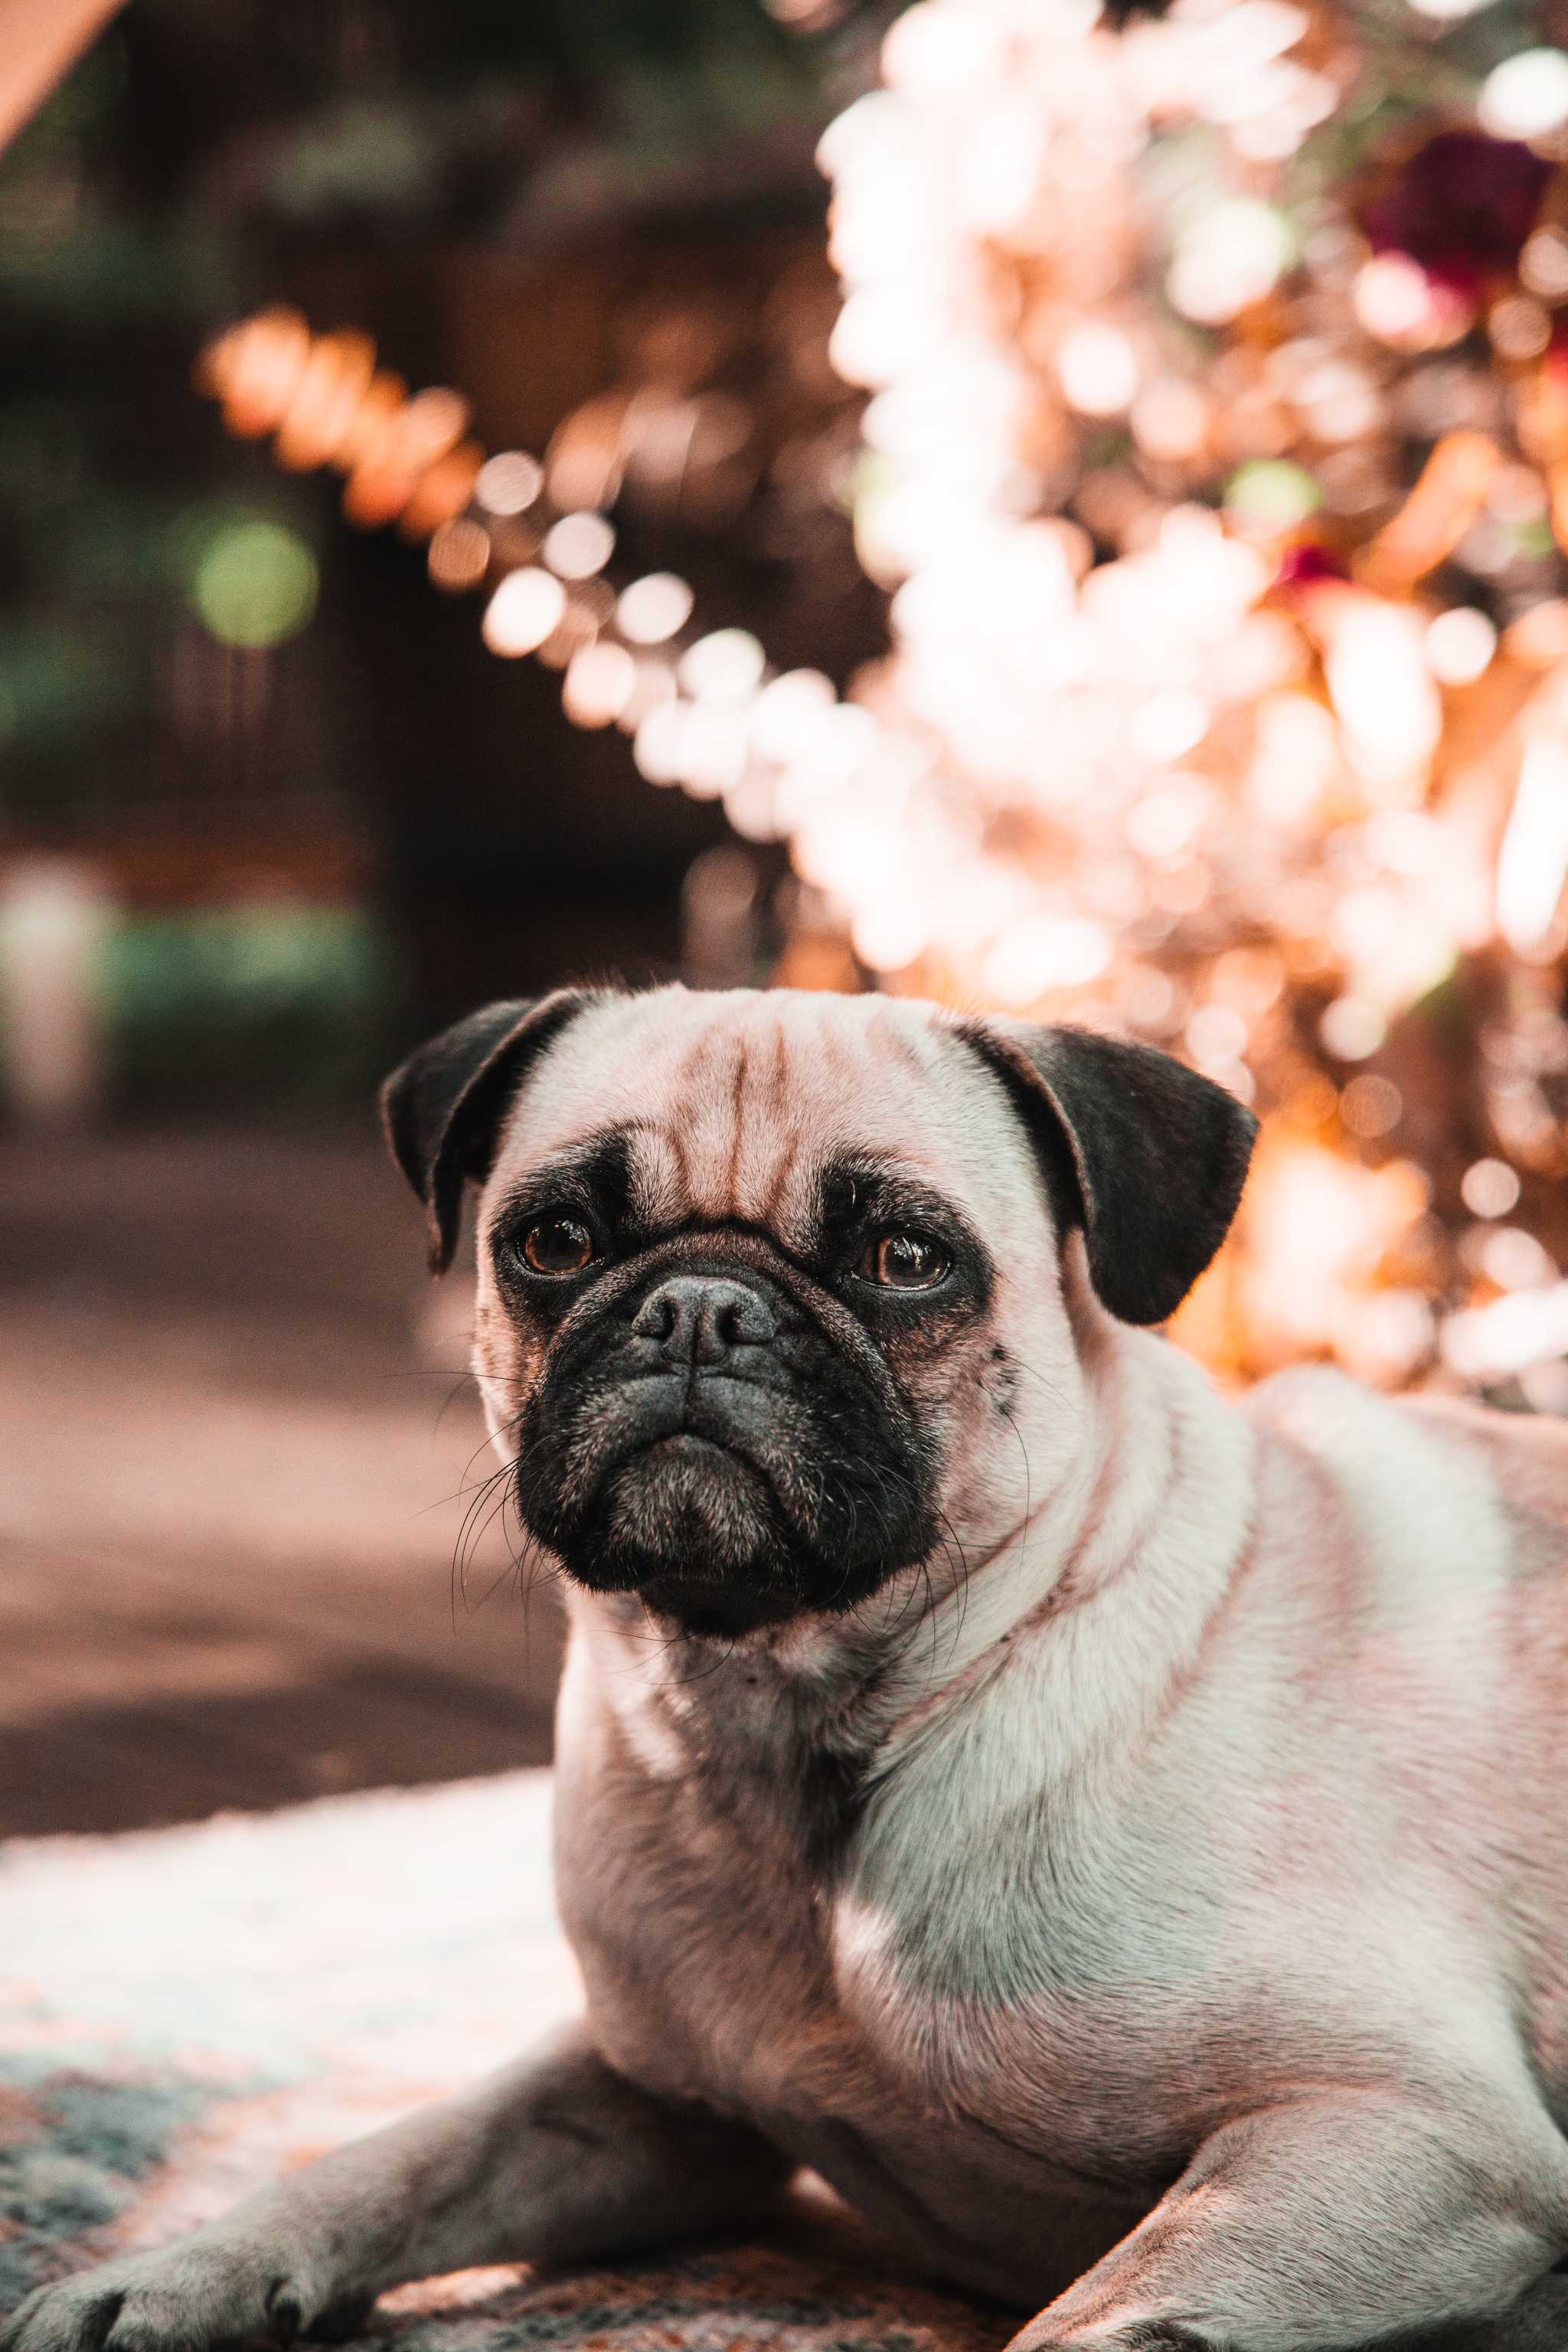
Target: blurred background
1057, 511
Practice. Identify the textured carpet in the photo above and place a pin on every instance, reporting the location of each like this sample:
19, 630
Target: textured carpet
184, 2013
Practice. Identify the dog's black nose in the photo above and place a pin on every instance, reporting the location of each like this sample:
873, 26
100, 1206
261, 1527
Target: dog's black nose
701, 1318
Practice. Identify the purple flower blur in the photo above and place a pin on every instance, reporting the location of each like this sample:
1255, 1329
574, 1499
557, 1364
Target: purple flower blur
1461, 207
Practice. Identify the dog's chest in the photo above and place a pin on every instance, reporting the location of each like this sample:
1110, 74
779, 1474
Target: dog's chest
744, 1944
698, 1910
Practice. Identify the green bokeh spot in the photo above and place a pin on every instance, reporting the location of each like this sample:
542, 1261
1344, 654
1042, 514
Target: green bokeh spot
1273, 492
256, 585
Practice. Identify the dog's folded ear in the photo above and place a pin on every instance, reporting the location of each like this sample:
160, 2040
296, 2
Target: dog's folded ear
1148, 1157
442, 1107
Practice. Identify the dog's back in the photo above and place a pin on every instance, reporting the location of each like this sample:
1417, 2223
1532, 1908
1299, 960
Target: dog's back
1442, 1606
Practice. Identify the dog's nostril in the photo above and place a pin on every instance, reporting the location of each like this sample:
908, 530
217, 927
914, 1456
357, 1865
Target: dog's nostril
656, 1318
744, 1320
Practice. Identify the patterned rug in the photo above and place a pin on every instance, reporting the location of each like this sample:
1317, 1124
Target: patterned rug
186, 2012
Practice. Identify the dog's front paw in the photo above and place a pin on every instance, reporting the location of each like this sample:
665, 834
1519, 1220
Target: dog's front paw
201, 2291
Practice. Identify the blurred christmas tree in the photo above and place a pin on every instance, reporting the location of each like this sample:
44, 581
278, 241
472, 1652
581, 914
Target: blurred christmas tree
1219, 457
1217, 464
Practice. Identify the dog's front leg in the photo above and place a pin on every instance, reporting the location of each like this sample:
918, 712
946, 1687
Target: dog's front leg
555, 2160
1329, 2221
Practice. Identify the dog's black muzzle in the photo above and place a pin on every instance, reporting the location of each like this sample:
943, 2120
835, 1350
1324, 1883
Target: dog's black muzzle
716, 1433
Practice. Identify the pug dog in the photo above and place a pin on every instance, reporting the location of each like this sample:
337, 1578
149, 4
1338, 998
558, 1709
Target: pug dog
1117, 1837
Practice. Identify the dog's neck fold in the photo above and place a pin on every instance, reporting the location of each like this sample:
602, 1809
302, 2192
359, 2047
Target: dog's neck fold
1094, 1585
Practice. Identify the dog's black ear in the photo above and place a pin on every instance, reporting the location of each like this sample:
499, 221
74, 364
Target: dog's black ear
1145, 1155
441, 1108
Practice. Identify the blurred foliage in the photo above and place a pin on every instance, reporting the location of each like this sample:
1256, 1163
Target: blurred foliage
149, 569
265, 1002
97, 538
1414, 67
155, 190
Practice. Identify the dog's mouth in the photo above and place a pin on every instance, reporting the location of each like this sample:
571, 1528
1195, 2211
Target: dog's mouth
719, 1528
687, 1492
693, 1525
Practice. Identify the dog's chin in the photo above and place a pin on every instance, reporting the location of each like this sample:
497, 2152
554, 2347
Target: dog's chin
691, 1528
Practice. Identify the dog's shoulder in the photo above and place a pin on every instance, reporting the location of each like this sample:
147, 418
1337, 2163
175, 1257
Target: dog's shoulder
1426, 1481
1525, 1452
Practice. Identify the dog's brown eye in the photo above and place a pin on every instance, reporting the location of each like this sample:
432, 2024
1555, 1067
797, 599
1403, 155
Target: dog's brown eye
906, 1262
558, 1245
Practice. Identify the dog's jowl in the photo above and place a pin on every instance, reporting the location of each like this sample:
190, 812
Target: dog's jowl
1115, 1835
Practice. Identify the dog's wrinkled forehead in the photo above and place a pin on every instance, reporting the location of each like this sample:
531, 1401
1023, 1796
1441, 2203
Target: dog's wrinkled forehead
741, 1107
733, 1104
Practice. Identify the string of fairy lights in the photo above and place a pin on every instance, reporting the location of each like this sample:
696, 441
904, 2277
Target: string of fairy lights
703, 707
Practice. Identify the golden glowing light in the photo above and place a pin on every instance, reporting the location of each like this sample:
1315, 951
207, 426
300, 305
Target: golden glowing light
1486, 1343
1526, 96
1371, 1105
1532, 863
726, 664
657, 745
1459, 644
600, 682
460, 554
1231, 256
1352, 1027
1394, 299
653, 608
1098, 369
578, 545
1490, 1189
1441, 507
788, 711
508, 483
323, 399
526, 606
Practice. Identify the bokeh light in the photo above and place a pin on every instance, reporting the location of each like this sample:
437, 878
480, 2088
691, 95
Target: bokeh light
654, 608
256, 585
578, 545
508, 484
526, 606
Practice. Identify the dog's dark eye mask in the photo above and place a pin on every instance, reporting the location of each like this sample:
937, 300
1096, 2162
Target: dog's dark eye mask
715, 1428
716, 1419
878, 1236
